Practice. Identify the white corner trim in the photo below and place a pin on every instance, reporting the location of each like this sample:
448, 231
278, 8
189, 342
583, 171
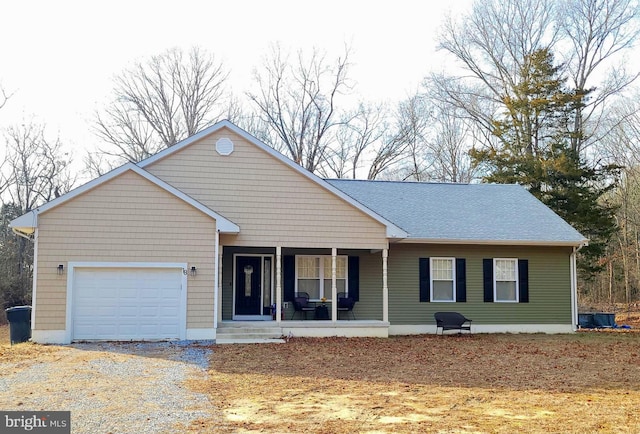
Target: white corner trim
30, 219
216, 280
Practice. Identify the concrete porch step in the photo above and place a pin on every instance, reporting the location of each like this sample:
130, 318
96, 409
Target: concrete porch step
249, 330
248, 334
243, 340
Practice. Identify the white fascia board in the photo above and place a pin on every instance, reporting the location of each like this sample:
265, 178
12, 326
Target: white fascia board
30, 219
583, 242
393, 231
25, 225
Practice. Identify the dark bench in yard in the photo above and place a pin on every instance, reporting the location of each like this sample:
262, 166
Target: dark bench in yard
451, 321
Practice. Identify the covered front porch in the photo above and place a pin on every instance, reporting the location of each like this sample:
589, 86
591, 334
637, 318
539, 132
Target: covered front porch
259, 286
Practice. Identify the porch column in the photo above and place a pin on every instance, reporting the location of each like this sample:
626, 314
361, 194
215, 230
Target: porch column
278, 284
217, 289
334, 286
385, 288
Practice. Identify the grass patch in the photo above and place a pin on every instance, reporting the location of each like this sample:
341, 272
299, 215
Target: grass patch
26, 351
585, 382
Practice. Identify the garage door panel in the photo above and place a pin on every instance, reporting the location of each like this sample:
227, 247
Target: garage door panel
167, 311
127, 303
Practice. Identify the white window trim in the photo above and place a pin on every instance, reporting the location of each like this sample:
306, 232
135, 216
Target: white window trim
431, 279
326, 275
495, 281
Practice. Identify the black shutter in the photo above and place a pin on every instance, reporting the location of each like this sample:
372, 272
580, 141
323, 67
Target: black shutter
523, 280
424, 273
487, 279
354, 277
461, 280
289, 277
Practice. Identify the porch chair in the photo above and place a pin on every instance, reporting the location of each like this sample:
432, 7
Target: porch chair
346, 304
301, 304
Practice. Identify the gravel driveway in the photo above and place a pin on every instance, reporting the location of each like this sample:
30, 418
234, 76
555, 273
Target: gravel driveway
112, 387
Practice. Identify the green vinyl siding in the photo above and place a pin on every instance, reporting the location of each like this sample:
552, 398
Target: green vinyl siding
549, 285
370, 304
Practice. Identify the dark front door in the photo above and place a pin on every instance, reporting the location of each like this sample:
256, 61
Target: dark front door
248, 289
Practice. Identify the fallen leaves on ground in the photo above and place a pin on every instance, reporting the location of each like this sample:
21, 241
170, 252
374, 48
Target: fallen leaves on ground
585, 382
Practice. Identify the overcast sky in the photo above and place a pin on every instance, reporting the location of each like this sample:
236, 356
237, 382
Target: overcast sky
58, 57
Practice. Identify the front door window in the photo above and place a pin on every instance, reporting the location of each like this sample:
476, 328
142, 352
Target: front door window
248, 271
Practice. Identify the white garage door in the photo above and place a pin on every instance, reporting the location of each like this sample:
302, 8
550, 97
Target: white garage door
127, 303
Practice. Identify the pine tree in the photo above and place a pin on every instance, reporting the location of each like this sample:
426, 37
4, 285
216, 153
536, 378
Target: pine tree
534, 150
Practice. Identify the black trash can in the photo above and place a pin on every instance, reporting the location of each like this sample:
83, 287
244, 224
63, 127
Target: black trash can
19, 318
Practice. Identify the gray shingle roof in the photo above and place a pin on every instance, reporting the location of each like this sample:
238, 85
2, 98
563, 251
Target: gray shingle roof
503, 213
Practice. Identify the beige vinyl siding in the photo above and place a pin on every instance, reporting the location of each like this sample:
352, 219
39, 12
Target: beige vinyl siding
549, 285
127, 219
272, 203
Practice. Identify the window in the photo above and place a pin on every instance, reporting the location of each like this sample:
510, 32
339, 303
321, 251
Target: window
506, 280
442, 279
313, 275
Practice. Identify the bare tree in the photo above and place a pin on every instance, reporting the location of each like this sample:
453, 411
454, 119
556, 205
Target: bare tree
621, 147
411, 129
161, 101
4, 182
360, 135
493, 42
448, 146
434, 138
596, 32
37, 168
4, 97
298, 102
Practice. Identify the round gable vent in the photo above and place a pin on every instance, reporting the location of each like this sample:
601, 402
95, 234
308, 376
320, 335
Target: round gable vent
224, 146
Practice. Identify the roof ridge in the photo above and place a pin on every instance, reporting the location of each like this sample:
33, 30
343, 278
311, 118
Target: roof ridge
470, 184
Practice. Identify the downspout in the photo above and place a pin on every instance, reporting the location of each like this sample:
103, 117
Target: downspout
574, 287
35, 281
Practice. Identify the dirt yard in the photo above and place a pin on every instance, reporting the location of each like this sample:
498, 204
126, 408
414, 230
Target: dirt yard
585, 382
